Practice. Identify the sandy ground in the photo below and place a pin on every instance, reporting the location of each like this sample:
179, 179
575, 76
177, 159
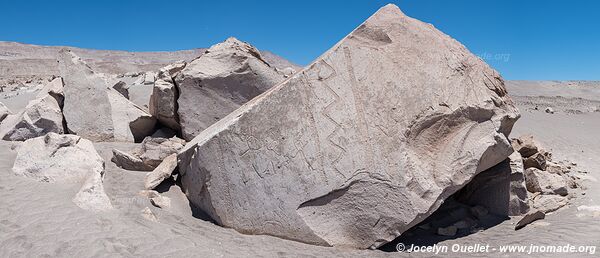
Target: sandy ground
39, 219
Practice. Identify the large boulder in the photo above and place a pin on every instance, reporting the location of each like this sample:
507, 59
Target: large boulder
96, 111
163, 101
228, 75
41, 116
358, 147
54, 157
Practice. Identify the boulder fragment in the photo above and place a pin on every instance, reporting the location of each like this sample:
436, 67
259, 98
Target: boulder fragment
96, 111
149, 155
354, 149
537, 160
549, 203
210, 87
162, 172
525, 145
54, 158
163, 101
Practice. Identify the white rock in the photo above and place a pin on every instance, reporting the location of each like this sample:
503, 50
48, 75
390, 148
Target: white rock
96, 111
91, 196
228, 75
41, 116
160, 173
54, 157
361, 145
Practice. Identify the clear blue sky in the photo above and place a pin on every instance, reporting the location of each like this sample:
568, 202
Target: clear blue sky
551, 40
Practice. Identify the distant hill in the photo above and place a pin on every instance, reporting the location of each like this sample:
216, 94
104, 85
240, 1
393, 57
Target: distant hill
32, 62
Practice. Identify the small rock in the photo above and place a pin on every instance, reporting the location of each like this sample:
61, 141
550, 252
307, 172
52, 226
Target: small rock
162, 172
537, 160
530, 217
549, 203
447, 231
549, 110
4, 112
129, 162
149, 215
525, 145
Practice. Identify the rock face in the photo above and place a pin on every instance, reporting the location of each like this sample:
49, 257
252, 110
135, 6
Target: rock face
163, 101
358, 147
96, 111
54, 157
228, 75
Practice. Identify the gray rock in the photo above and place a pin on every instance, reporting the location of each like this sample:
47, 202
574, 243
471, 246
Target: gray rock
162, 172
210, 87
154, 150
537, 160
549, 203
149, 155
54, 157
529, 218
354, 149
128, 161
95, 110
525, 145
541, 181
122, 88
549, 110
163, 101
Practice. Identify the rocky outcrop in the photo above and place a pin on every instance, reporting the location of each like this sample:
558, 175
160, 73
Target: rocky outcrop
149, 155
160, 173
210, 87
54, 157
96, 111
358, 147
